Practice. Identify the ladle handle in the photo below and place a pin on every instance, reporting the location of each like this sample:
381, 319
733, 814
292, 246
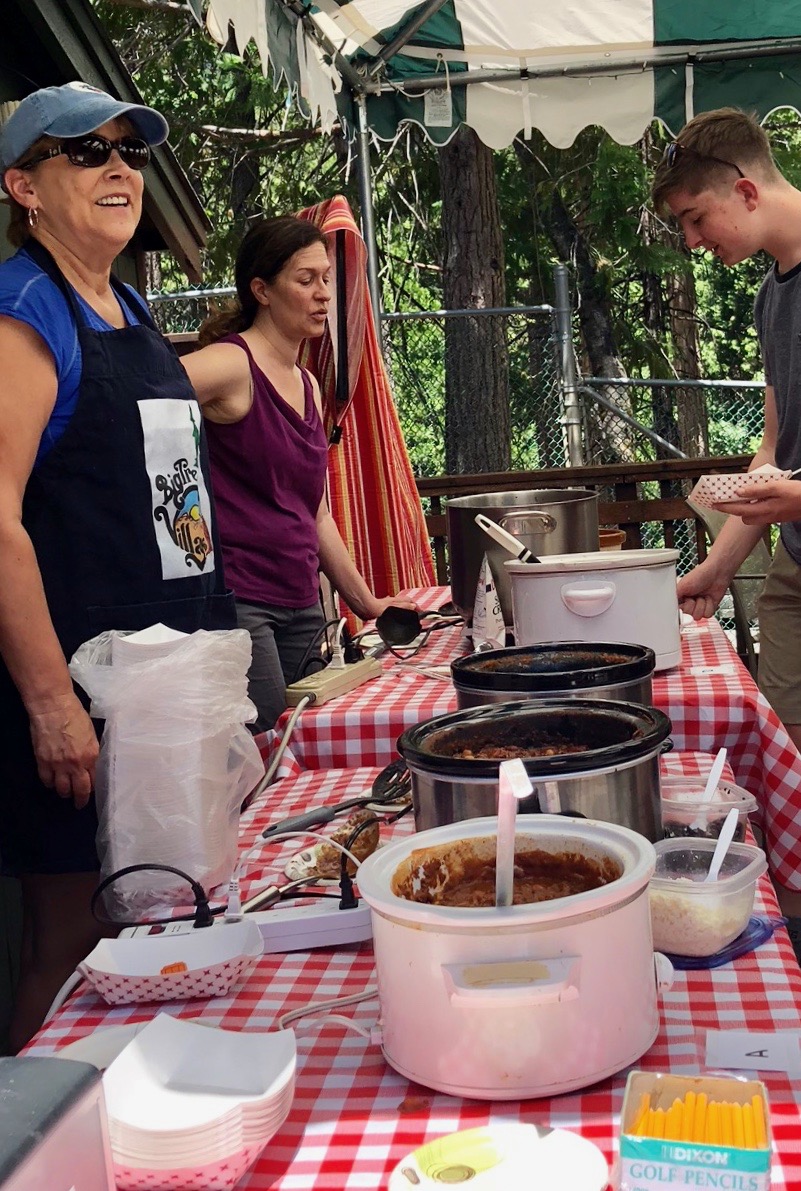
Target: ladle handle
505, 539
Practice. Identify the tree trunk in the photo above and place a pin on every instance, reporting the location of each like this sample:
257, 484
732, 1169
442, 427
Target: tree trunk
691, 405
476, 358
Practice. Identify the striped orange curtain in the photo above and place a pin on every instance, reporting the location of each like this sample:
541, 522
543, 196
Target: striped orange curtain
374, 499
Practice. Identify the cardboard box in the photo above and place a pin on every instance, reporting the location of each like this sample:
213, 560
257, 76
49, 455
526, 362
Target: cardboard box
649, 1163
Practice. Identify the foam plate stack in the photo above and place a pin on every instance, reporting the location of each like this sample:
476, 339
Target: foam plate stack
191, 1107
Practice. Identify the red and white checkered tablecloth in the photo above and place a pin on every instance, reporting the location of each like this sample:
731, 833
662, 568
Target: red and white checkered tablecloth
354, 1118
710, 697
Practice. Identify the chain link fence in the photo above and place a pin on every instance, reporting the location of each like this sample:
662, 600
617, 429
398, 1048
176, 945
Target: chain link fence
416, 347
625, 420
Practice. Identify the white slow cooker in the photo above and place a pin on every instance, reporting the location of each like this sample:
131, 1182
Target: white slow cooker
521, 1001
627, 595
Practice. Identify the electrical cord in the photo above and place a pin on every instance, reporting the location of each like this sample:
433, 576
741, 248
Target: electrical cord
336, 1003
278, 755
202, 916
303, 664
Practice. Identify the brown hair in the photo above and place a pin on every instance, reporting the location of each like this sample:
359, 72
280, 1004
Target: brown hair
19, 230
711, 141
263, 253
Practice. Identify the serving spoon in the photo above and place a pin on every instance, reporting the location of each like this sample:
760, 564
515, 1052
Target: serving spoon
722, 846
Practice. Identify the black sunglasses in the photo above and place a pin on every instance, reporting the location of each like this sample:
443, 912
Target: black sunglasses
675, 149
92, 151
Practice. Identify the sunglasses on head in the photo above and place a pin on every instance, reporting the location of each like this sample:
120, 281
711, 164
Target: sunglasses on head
674, 151
93, 150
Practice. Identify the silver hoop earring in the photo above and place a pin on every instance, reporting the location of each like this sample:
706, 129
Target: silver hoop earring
33, 217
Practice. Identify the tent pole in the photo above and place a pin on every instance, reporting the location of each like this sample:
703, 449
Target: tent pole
567, 367
368, 220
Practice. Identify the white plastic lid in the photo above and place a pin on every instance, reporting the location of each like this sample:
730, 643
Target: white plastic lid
596, 560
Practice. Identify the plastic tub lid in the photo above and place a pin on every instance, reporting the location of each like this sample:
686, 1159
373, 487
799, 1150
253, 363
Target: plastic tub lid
678, 794
689, 860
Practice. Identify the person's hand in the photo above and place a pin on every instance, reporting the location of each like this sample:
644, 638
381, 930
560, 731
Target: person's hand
767, 503
65, 746
376, 606
701, 590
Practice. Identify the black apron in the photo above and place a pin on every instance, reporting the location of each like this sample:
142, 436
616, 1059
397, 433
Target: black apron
121, 519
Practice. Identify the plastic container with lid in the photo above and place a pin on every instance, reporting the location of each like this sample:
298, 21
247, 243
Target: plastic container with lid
690, 916
686, 813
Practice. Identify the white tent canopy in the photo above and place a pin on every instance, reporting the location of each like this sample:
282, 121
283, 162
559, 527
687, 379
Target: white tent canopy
503, 67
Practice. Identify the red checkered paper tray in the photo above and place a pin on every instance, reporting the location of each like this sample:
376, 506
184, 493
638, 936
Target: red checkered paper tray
710, 492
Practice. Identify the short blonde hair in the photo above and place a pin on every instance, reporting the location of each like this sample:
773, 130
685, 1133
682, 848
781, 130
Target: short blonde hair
713, 141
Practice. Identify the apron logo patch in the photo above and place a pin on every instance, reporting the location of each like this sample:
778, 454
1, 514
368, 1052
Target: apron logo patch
180, 499
182, 514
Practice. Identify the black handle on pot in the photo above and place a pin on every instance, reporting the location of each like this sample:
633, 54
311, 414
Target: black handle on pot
667, 746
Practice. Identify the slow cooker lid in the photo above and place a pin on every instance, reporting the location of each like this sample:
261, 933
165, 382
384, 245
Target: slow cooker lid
613, 732
596, 560
555, 666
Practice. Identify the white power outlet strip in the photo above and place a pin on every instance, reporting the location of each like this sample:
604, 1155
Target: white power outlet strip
294, 928
333, 681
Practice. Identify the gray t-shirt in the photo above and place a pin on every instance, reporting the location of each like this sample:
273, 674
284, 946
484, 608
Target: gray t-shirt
777, 314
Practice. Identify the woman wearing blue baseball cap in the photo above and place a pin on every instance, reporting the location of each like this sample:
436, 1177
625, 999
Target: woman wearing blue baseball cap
101, 449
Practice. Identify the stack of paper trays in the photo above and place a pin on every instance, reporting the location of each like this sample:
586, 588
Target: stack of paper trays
191, 1107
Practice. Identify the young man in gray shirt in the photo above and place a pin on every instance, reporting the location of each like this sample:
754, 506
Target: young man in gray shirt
720, 182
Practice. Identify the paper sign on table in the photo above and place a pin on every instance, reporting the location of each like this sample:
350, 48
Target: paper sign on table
749, 1050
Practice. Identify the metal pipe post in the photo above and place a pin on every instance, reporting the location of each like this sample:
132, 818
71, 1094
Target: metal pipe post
368, 215
567, 366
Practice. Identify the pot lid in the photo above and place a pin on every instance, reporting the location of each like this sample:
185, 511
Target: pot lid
596, 560
554, 666
608, 734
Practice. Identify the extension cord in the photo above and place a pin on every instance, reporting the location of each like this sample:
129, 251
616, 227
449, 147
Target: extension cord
332, 682
293, 928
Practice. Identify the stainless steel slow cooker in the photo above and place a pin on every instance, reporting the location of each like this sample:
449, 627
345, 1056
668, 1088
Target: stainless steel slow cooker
560, 670
546, 520
604, 764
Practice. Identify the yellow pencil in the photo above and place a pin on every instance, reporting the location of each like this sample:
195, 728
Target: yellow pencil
673, 1121
748, 1127
641, 1116
739, 1131
659, 1123
699, 1118
688, 1117
726, 1126
760, 1127
712, 1124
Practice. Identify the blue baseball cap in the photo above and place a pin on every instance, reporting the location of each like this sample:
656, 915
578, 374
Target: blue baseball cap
74, 109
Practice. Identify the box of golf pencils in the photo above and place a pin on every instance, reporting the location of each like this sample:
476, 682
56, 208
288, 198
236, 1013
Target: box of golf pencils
694, 1131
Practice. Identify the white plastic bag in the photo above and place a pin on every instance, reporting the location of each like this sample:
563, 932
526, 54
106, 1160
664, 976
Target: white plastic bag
175, 759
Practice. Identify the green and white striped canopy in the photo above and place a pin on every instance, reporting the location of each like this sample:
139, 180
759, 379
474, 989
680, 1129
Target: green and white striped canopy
507, 66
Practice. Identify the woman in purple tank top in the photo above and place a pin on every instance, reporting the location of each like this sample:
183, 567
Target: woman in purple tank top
269, 457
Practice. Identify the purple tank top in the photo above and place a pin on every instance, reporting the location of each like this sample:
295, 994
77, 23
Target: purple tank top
268, 473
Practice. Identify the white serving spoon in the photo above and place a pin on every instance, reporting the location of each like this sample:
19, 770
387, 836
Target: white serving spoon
711, 785
513, 784
722, 846
505, 539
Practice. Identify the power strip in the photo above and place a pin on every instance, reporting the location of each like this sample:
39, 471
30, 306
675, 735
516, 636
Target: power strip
294, 928
333, 681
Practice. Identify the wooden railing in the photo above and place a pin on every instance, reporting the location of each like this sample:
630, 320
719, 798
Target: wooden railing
629, 508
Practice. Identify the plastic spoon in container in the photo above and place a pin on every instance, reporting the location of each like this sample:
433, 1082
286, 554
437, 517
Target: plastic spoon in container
505, 539
513, 784
711, 786
722, 846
